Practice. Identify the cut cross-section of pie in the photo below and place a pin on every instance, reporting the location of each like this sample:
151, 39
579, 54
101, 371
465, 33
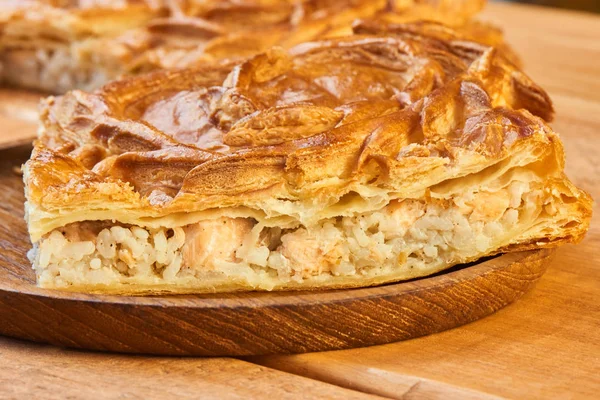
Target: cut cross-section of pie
56, 45
346, 162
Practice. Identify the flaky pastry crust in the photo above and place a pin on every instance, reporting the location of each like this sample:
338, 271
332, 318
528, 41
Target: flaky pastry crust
329, 129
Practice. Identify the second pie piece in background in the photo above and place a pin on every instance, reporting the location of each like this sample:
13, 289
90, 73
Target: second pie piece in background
56, 46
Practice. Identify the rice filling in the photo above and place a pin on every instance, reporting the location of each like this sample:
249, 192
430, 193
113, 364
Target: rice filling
412, 234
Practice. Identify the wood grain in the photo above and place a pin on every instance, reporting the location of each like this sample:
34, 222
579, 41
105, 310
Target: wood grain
44, 372
544, 346
548, 344
249, 323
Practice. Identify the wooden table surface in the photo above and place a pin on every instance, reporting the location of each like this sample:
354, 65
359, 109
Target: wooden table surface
547, 345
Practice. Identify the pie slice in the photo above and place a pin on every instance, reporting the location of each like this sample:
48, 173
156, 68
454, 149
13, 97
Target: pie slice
58, 45
345, 162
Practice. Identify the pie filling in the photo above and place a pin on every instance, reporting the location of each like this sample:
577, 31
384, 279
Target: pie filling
415, 235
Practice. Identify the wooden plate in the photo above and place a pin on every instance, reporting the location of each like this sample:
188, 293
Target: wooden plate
244, 324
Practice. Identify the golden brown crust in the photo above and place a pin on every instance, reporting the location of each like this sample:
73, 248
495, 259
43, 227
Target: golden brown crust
284, 136
391, 23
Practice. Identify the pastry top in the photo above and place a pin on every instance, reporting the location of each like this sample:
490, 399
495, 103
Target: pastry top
388, 23
329, 127
133, 36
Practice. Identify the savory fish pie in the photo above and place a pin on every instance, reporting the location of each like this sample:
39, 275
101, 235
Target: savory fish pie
345, 162
57, 45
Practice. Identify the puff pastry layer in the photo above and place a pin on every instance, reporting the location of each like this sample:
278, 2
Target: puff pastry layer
344, 162
60, 45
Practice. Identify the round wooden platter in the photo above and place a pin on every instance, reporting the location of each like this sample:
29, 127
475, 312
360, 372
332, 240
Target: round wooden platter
245, 323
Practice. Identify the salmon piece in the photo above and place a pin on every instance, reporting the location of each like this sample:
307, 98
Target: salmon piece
212, 240
308, 255
86, 231
490, 206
